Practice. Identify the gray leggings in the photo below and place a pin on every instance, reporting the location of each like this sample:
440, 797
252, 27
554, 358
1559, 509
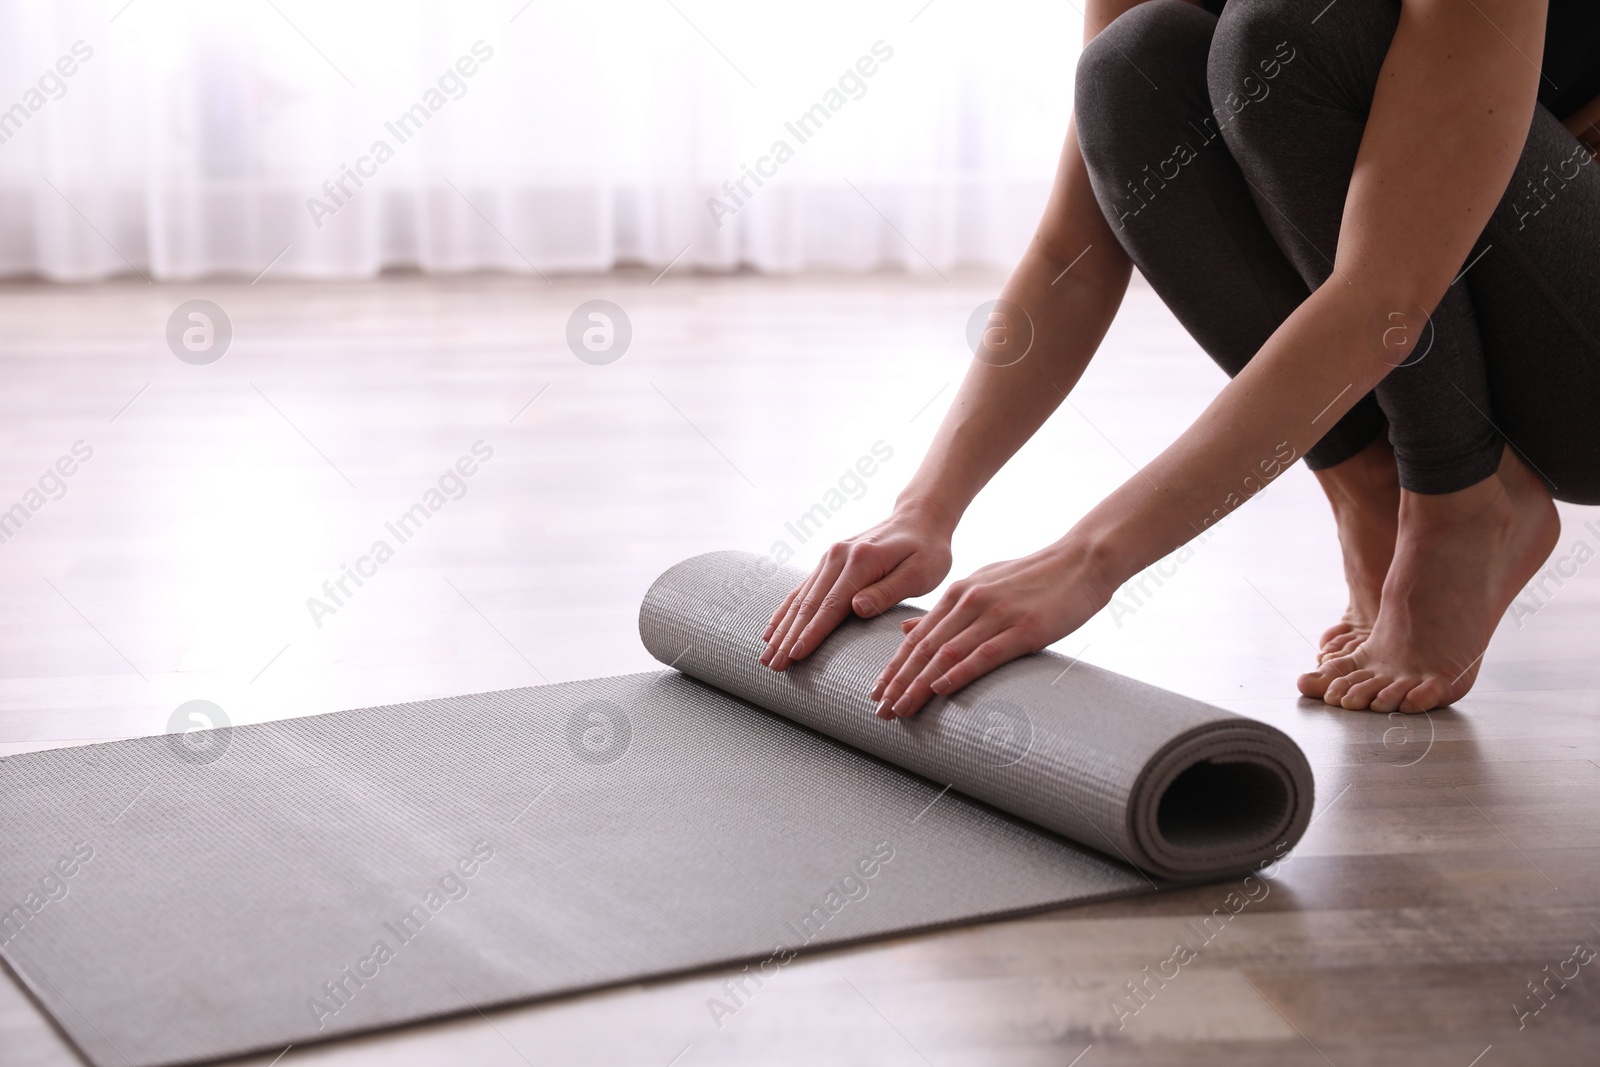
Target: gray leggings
1220, 150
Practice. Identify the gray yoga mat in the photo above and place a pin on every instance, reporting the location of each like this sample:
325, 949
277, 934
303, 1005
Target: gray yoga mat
183, 898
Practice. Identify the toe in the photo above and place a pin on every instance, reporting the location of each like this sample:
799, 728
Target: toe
1391, 696
1315, 683
1343, 646
1341, 685
1358, 695
1334, 634
1428, 694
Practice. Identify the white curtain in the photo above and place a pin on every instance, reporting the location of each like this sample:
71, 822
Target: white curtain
320, 138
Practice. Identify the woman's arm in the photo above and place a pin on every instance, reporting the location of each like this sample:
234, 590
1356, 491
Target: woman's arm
1070, 283
1449, 117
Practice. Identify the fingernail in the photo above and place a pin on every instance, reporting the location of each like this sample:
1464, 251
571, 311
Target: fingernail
941, 685
865, 607
797, 651
876, 692
900, 705
884, 711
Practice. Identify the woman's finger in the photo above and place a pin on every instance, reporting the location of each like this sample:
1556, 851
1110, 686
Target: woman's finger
863, 588
780, 636
920, 645
1003, 647
862, 563
886, 592
777, 616
925, 647
822, 582
781, 633
919, 690
912, 628
776, 626
882, 681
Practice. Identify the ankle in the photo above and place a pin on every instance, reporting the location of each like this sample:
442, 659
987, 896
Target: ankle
1519, 480
1487, 503
1367, 481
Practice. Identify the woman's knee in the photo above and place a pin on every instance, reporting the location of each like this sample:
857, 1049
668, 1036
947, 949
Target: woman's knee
1127, 74
1254, 43
1264, 48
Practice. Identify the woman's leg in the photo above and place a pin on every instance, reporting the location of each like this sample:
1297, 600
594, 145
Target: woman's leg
1475, 520
1537, 291
1180, 206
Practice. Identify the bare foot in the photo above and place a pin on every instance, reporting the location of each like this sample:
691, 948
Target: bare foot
1460, 559
1364, 491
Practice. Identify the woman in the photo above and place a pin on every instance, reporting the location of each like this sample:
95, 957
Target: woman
1298, 181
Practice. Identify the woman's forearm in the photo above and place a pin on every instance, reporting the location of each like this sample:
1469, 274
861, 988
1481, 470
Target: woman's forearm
1260, 424
1069, 283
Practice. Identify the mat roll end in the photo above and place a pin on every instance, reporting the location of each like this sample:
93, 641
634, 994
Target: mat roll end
1226, 797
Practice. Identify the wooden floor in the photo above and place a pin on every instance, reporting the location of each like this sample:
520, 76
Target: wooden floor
1452, 861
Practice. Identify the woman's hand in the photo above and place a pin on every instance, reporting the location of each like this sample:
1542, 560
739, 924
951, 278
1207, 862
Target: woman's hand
906, 555
1003, 611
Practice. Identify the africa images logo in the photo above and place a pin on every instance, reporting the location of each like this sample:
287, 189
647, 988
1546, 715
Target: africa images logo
598, 731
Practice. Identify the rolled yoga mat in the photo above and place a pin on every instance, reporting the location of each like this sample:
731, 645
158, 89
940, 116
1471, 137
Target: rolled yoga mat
189, 897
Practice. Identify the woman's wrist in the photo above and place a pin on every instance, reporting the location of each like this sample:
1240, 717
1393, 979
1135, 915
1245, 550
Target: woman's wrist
1095, 556
928, 511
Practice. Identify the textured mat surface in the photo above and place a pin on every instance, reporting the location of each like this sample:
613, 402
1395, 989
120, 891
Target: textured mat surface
169, 901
